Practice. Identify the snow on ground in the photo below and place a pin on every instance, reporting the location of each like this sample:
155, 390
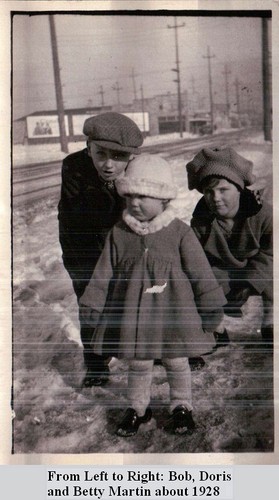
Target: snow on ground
24, 153
232, 395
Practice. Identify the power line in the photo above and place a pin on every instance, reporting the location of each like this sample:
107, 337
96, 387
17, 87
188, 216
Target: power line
177, 70
142, 107
117, 89
208, 57
236, 83
58, 87
133, 76
226, 73
102, 95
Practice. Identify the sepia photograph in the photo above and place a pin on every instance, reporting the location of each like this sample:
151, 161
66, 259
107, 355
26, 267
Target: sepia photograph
141, 219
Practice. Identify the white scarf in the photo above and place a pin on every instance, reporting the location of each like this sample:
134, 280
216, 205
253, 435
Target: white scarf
144, 228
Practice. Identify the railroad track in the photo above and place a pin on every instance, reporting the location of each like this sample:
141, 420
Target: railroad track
35, 181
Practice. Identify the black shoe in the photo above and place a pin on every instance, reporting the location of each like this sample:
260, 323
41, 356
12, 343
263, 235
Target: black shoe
180, 421
222, 339
131, 421
196, 363
96, 378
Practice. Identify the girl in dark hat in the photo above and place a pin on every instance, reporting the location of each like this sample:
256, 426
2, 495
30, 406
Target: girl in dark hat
234, 227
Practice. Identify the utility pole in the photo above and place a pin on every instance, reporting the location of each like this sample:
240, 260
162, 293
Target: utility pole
142, 107
267, 98
102, 95
227, 72
236, 83
133, 76
194, 93
177, 70
201, 102
58, 86
208, 57
117, 89
193, 85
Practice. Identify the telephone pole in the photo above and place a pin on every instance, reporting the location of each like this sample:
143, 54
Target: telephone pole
177, 70
267, 97
58, 86
194, 93
117, 89
208, 57
193, 85
142, 107
227, 72
102, 95
236, 83
133, 76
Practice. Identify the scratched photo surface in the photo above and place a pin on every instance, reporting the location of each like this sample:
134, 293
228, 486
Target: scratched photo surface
188, 82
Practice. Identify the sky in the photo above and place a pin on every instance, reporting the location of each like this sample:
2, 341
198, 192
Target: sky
105, 50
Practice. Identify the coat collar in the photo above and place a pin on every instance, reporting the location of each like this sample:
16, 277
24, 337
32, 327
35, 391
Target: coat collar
249, 206
143, 228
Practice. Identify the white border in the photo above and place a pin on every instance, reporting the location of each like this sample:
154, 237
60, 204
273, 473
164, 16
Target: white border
5, 254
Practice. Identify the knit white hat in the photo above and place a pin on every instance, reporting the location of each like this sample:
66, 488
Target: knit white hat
148, 175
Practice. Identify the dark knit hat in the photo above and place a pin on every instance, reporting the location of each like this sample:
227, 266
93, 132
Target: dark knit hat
114, 131
222, 162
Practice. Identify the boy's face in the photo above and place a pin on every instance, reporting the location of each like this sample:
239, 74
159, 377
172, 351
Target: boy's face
144, 208
222, 198
108, 163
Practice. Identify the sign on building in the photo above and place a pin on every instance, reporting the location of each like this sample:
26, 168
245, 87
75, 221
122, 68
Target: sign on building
44, 126
141, 119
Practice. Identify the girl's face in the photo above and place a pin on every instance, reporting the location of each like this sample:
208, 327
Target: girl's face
222, 198
144, 208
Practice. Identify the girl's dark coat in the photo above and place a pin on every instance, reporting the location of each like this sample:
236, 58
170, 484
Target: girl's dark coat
151, 295
248, 255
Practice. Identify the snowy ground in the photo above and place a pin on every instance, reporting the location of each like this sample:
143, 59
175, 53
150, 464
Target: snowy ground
23, 153
232, 395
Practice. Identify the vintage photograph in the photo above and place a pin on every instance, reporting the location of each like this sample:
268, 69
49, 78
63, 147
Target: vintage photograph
142, 254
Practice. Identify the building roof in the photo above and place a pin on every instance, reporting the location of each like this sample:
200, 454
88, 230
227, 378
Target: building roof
72, 111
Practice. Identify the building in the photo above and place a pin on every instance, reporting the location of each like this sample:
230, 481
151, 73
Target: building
154, 115
43, 126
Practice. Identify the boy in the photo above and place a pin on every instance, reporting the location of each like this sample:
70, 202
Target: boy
90, 206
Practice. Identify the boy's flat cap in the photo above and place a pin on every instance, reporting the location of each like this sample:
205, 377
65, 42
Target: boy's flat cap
114, 131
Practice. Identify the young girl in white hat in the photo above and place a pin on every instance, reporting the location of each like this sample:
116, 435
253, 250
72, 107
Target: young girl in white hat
152, 295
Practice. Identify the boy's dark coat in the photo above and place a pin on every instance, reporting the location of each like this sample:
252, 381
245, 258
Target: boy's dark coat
87, 211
